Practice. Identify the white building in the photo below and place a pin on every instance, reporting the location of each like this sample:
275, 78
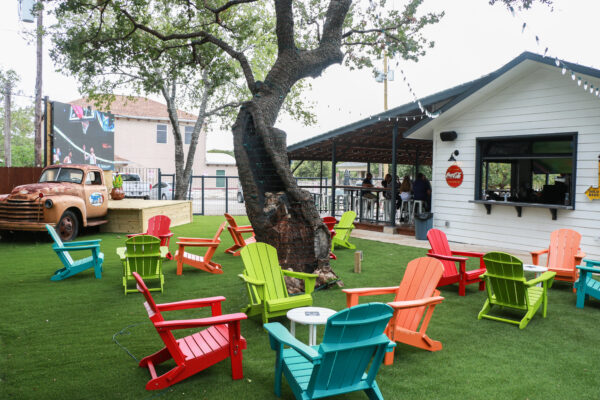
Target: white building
539, 122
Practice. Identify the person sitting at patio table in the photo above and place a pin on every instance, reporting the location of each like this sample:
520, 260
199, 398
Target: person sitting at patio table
387, 183
405, 188
368, 182
422, 190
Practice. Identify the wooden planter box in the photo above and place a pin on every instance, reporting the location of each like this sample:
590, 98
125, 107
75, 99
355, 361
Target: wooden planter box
131, 215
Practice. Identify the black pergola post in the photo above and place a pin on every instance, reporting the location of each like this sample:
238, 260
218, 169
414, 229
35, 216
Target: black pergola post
394, 172
333, 162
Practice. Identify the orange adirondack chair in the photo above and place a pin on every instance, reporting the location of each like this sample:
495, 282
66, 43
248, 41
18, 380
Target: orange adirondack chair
564, 254
220, 339
196, 261
416, 297
159, 226
236, 234
440, 249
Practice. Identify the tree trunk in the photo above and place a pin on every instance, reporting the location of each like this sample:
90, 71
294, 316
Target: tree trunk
281, 213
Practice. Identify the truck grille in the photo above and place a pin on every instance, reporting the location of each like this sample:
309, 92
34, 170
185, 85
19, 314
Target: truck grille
19, 210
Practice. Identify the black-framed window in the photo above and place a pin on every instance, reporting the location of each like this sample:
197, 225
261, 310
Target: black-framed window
161, 133
188, 134
537, 169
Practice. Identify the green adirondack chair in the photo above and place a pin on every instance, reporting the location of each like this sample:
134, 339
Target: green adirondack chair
143, 254
72, 267
343, 230
506, 287
267, 291
348, 360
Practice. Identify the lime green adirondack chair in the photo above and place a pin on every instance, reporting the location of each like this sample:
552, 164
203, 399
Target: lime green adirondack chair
143, 254
348, 360
267, 291
343, 230
506, 287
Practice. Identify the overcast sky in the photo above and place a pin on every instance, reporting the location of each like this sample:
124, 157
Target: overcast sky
472, 40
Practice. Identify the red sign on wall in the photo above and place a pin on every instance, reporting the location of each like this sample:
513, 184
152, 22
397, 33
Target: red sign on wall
454, 176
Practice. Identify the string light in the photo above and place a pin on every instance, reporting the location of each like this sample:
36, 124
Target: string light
560, 63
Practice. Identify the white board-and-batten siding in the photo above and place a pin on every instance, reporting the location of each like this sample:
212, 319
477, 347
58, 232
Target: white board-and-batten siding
542, 101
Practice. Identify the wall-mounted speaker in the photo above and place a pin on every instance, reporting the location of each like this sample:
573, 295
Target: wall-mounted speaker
448, 136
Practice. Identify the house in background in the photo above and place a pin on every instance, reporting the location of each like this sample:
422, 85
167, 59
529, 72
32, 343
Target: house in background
144, 138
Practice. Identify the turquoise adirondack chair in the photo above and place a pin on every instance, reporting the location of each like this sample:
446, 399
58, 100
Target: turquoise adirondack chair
506, 287
267, 291
72, 267
586, 285
343, 230
143, 254
348, 359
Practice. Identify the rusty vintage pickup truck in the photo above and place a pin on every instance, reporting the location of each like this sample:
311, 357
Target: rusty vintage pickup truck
68, 197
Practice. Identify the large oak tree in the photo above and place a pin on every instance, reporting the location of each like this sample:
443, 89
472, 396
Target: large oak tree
310, 36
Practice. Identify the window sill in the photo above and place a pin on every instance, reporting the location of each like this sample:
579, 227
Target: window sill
519, 206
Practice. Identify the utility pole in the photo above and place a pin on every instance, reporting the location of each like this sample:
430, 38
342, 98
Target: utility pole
7, 136
38, 86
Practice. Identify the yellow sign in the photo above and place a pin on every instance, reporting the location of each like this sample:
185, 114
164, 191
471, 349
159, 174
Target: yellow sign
593, 193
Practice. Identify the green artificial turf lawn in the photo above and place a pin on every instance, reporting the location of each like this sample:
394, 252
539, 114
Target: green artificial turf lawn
57, 337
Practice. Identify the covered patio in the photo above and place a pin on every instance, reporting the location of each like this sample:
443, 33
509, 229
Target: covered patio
378, 139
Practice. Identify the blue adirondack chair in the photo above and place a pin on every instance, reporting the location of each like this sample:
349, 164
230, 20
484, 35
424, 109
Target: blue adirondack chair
72, 267
586, 285
352, 351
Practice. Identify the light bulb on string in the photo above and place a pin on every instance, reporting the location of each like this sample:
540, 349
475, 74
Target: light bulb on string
579, 81
557, 62
585, 85
545, 52
564, 70
572, 75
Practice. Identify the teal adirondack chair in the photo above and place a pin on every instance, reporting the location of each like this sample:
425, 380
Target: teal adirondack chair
586, 285
72, 267
143, 254
267, 291
347, 360
343, 230
506, 287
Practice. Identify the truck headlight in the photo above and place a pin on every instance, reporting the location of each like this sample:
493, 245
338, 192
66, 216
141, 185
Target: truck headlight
48, 203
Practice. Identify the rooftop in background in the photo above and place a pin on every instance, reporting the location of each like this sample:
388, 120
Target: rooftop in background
138, 107
219, 159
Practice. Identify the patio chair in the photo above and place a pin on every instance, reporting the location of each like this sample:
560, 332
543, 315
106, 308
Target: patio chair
343, 230
267, 291
564, 254
159, 226
507, 288
204, 263
586, 285
72, 267
191, 354
142, 254
440, 249
414, 301
347, 361
236, 234
330, 223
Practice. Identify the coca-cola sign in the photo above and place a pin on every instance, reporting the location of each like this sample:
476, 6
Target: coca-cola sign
454, 176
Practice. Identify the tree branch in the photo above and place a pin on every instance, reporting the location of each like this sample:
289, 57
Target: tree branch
285, 25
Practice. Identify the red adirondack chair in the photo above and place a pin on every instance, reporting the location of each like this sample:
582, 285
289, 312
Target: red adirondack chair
415, 299
440, 249
330, 223
196, 261
221, 339
236, 234
159, 226
563, 254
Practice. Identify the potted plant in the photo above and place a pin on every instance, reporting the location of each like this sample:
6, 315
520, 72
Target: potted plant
117, 192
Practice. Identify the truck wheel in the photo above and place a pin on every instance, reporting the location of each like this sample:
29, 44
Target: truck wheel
68, 226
